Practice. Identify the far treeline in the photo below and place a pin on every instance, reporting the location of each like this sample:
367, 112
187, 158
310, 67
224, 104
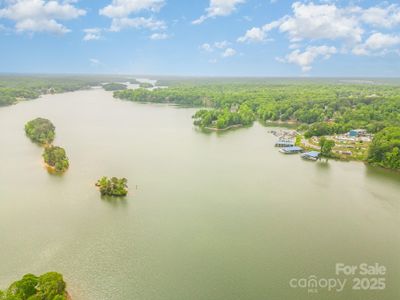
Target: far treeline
319, 107
114, 86
14, 88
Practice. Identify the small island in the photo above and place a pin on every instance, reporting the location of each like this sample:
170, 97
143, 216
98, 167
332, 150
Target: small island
40, 131
115, 187
114, 86
145, 85
55, 159
134, 81
47, 286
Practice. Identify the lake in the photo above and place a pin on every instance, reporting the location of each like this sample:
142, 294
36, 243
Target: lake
208, 216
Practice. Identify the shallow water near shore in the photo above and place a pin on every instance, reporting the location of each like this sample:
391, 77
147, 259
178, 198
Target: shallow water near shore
208, 216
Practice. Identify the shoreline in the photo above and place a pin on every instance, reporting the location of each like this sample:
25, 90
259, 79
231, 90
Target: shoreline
223, 129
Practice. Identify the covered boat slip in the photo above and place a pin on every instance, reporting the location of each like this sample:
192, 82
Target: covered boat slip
312, 155
291, 150
284, 143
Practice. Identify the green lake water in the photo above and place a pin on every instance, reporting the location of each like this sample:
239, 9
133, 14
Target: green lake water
208, 216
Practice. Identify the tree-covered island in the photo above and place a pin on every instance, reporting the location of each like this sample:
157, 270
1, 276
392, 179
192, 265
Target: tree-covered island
145, 85
114, 86
115, 187
40, 131
49, 286
55, 159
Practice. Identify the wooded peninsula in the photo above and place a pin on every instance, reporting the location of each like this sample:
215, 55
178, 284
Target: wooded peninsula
319, 107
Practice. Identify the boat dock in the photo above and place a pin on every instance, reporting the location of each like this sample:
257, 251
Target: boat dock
291, 150
312, 155
285, 143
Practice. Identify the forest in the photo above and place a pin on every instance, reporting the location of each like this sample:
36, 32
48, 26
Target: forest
334, 106
385, 149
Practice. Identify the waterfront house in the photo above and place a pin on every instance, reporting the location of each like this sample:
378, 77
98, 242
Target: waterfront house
357, 132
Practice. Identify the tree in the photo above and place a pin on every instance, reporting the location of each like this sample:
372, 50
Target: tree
326, 146
385, 149
24, 288
49, 286
113, 186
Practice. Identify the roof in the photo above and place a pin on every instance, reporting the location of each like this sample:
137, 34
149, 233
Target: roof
312, 154
285, 142
295, 148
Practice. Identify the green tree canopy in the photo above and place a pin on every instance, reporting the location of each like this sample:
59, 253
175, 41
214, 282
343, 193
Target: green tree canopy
49, 286
326, 146
114, 86
56, 158
385, 148
40, 131
113, 186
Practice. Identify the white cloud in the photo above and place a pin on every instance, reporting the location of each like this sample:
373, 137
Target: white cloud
312, 21
229, 52
159, 36
378, 43
344, 27
305, 59
137, 23
221, 45
258, 34
218, 8
386, 17
121, 11
123, 8
217, 45
254, 34
92, 34
206, 47
94, 61
40, 15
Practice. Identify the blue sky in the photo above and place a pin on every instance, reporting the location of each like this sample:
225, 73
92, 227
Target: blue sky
202, 37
